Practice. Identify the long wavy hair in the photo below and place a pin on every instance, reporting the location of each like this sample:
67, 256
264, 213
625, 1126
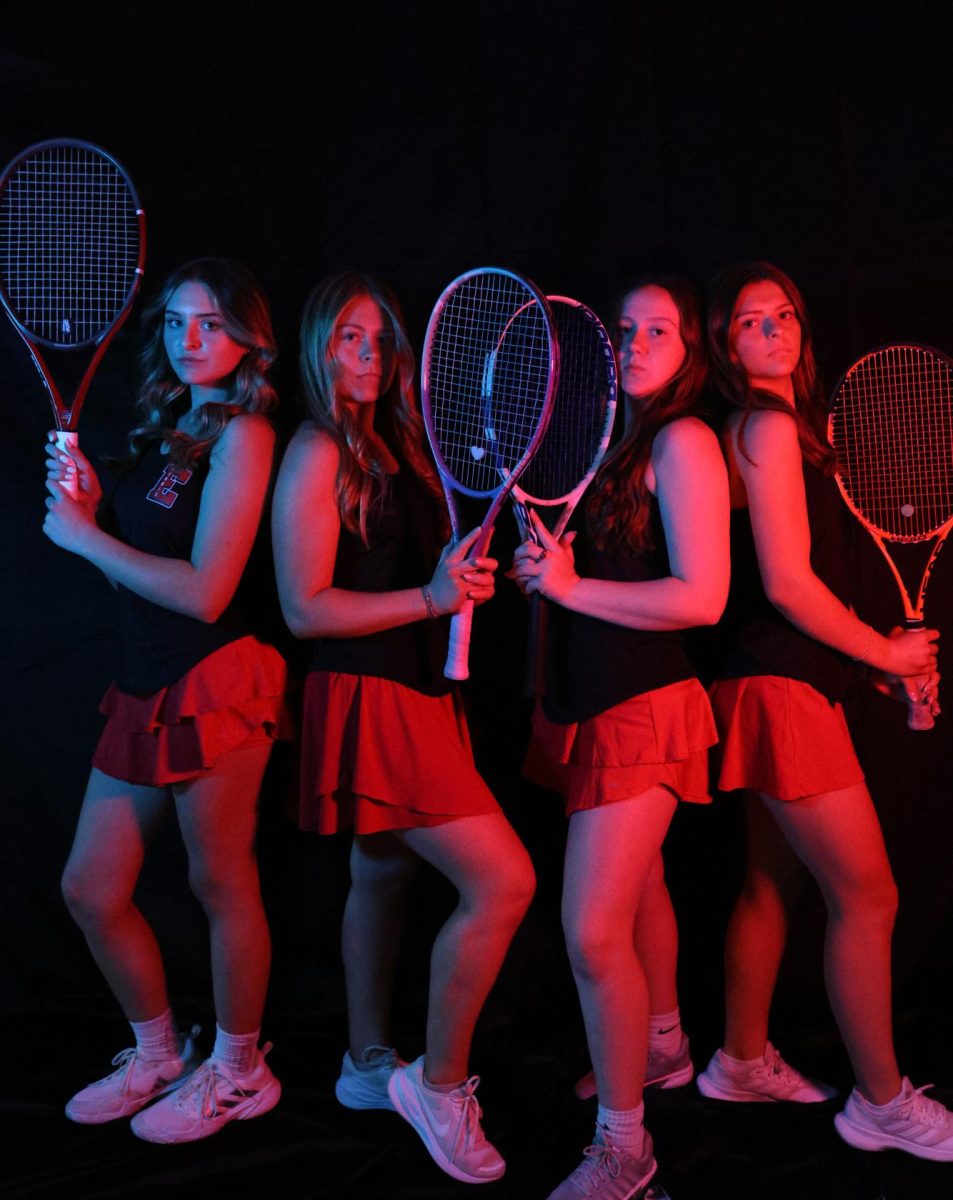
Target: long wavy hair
810, 407
362, 483
618, 507
163, 407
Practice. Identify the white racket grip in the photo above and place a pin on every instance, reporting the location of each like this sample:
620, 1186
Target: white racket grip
458, 651
919, 712
66, 440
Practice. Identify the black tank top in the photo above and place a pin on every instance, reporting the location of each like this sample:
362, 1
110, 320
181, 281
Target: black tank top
758, 639
595, 664
402, 551
154, 508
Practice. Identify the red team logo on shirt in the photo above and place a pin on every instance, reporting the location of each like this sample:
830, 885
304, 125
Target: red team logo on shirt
164, 492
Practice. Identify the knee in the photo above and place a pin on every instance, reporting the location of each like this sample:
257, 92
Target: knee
593, 944
91, 902
506, 895
387, 879
219, 887
872, 898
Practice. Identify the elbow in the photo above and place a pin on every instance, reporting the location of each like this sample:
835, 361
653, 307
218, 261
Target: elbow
208, 610
296, 619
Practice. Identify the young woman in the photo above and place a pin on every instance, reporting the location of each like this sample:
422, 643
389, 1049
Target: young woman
197, 703
791, 635
358, 528
625, 723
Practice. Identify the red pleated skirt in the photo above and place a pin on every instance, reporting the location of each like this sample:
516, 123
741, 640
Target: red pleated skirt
234, 696
782, 738
659, 738
376, 756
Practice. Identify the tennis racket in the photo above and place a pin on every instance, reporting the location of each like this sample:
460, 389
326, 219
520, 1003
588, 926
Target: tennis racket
891, 426
490, 366
571, 449
72, 246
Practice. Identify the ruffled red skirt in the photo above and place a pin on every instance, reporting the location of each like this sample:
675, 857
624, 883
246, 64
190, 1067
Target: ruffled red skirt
659, 738
782, 738
233, 697
377, 755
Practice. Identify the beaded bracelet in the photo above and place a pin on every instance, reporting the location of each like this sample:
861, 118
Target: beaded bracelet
432, 612
870, 642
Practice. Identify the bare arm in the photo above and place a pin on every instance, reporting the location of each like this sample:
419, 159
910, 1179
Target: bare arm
773, 476
692, 488
232, 501
306, 526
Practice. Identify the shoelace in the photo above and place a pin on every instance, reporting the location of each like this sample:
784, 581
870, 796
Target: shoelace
124, 1061
203, 1089
469, 1131
919, 1107
599, 1158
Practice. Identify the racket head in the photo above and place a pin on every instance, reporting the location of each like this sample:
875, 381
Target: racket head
488, 376
891, 426
72, 243
583, 411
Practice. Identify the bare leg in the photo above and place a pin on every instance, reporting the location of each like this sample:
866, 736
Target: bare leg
609, 856
838, 837
656, 940
488, 865
382, 868
757, 932
218, 818
116, 823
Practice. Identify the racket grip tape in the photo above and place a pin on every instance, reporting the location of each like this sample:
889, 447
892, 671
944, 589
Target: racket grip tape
66, 440
458, 651
919, 712
535, 682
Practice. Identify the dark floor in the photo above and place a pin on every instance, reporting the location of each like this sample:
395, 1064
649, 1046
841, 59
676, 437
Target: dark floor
310, 1147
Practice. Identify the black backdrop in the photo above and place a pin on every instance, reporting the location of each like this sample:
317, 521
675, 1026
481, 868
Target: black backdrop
581, 143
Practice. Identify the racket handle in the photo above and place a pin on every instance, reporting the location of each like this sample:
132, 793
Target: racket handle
66, 440
458, 652
919, 712
535, 682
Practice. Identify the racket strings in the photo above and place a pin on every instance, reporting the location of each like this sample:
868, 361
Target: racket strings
69, 243
488, 372
583, 406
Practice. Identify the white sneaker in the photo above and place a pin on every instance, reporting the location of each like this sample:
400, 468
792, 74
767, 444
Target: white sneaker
911, 1122
766, 1080
136, 1082
448, 1124
362, 1089
608, 1173
662, 1071
209, 1099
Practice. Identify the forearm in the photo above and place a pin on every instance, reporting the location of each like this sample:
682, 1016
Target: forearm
814, 609
656, 604
337, 613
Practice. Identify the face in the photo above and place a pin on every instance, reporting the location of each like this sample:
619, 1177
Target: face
648, 341
202, 354
765, 335
362, 352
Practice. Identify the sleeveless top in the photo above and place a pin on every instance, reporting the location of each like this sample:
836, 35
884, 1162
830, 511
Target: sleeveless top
758, 639
402, 551
155, 508
594, 664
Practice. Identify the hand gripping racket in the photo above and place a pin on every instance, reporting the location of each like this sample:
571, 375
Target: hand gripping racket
490, 366
891, 426
72, 246
571, 449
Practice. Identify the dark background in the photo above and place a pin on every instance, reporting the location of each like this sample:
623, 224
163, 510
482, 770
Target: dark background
581, 144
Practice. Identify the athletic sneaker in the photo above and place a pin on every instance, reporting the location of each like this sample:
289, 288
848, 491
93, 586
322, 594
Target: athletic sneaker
360, 1089
763, 1081
662, 1071
448, 1124
608, 1173
210, 1098
136, 1082
911, 1122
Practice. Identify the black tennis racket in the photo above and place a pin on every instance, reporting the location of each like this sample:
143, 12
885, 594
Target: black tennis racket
891, 426
72, 247
490, 366
571, 449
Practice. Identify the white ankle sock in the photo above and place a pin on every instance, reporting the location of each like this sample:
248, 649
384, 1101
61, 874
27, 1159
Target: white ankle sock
625, 1127
157, 1039
665, 1031
237, 1051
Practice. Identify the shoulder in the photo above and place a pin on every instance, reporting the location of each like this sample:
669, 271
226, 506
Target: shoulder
311, 450
247, 434
767, 432
688, 436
